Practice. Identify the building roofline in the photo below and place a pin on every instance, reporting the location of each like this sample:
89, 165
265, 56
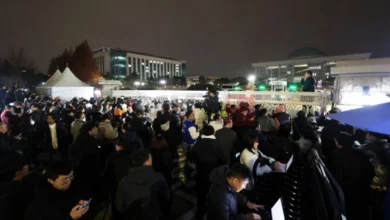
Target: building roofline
134, 52
358, 56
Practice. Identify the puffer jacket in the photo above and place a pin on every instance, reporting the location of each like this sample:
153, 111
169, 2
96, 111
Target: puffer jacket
107, 131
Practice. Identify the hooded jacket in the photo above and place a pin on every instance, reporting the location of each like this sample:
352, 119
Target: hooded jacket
141, 182
222, 200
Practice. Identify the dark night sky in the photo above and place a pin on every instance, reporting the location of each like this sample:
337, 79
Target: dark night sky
216, 37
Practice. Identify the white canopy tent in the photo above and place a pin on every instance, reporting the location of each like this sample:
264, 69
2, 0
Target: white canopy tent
67, 87
52, 80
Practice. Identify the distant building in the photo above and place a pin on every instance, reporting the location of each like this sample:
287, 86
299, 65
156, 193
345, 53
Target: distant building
192, 80
120, 63
300, 61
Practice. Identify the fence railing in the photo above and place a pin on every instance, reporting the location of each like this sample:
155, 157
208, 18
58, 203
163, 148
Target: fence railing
292, 100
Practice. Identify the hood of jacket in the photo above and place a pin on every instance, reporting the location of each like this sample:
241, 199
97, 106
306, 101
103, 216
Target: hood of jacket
142, 176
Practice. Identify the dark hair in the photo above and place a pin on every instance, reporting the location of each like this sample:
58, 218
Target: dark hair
50, 115
159, 143
104, 117
249, 141
301, 114
310, 115
188, 113
123, 140
78, 114
139, 157
239, 171
345, 139
198, 105
233, 106
310, 73
263, 112
377, 135
126, 126
360, 136
216, 117
87, 127
309, 133
58, 168
9, 165
208, 130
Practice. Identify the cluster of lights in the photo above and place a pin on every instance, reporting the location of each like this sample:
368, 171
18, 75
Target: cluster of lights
262, 87
301, 65
315, 68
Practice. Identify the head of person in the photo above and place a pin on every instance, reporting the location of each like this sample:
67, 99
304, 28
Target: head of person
373, 136
13, 168
59, 175
233, 107
217, 117
125, 127
141, 157
244, 110
3, 128
139, 114
212, 93
123, 142
130, 108
263, 112
50, 119
79, 115
165, 107
301, 114
190, 115
105, 118
34, 107
198, 105
344, 140
257, 107
238, 177
10, 108
90, 128
228, 123
279, 109
308, 74
251, 143
208, 130
176, 108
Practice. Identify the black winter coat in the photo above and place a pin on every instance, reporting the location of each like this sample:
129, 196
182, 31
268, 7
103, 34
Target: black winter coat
308, 84
222, 200
142, 182
46, 142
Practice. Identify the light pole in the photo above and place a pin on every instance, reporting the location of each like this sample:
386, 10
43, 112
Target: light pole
251, 80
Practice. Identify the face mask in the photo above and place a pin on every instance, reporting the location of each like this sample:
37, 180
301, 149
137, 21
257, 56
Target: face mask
32, 122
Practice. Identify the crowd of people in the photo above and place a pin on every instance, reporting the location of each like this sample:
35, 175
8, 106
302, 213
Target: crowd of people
71, 159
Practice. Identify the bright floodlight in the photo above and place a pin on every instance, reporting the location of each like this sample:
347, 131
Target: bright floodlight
43, 83
136, 83
251, 78
142, 84
163, 82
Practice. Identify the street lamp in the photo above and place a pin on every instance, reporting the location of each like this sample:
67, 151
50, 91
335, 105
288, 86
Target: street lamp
163, 82
251, 78
142, 84
136, 83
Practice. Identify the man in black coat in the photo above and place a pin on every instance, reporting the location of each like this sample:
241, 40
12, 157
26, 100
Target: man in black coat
142, 182
54, 137
15, 192
308, 85
5, 146
207, 154
224, 199
354, 173
56, 197
227, 138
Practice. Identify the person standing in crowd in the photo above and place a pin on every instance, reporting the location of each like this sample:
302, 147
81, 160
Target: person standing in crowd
212, 104
308, 85
189, 135
266, 123
282, 121
15, 192
54, 137
117, 167
5, 146
76, 124
162, 159
309, 140
56, 197
7, 116
354, 173
142, 182
207, 155
299, 122
107, 132
226, 183
217, 122
200, 115
377, 150
256, 161
227, 139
